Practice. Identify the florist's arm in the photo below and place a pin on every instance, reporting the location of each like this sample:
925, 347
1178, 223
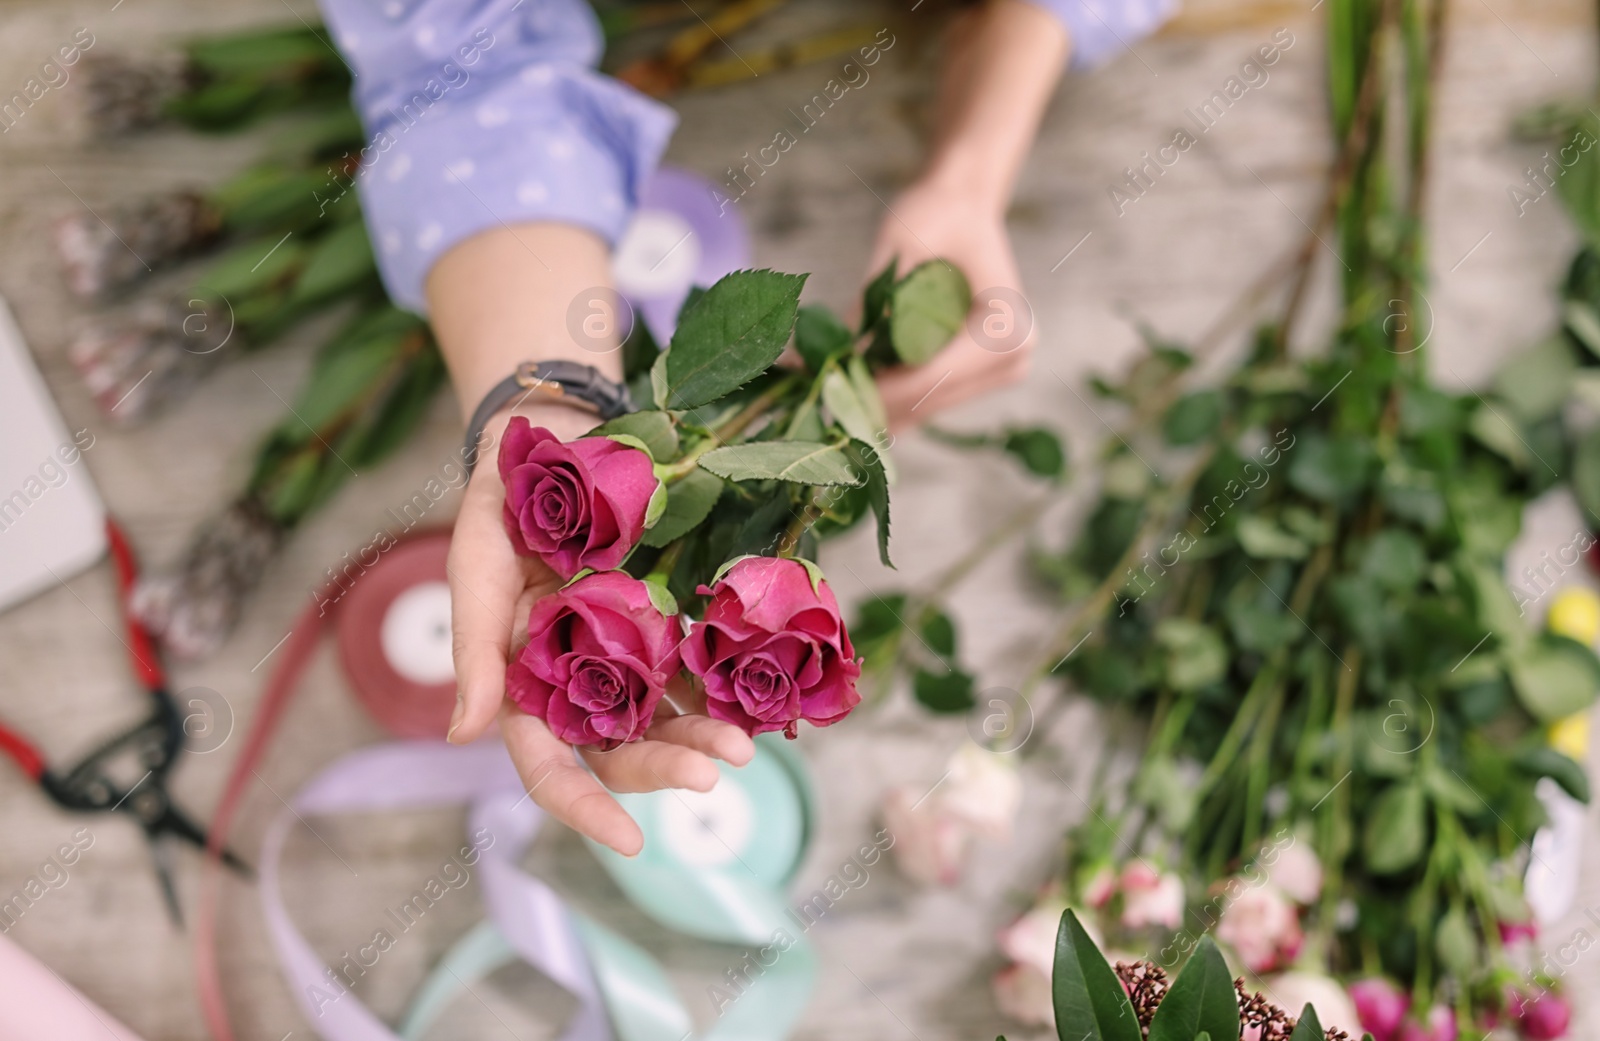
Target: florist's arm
1001, 66
500, 166
1000, 69
493, 302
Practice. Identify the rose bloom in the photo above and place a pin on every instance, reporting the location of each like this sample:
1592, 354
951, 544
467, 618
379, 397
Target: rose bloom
1541, 1015
930, 845
772, 650
1150, 898
978, 794
597, 661
1298, 873
1381, 1006
1440, 1025
1262, 927
1022, 993
573, 504
1292, 991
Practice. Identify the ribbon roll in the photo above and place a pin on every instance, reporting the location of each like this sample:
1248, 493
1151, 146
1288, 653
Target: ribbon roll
679, 238
394, 638
715, 865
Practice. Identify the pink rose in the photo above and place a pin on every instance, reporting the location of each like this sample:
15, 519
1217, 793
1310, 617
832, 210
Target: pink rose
1150, 898
1022, 993
597, 661
1261, 926
1297, 871
574, 504
1541, 1015
1099, 886
930, 845
1439, 1026
772, 649
1381, 1007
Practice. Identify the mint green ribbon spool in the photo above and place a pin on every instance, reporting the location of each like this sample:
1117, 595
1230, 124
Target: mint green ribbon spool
715, 865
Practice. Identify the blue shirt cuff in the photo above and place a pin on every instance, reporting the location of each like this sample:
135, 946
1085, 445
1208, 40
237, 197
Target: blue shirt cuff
1102, 29
481, 115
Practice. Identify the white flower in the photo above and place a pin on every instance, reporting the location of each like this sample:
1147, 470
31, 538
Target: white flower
1261, 926
929, 844
979, 794
1023, 994
1292, 991
1150, 898
1298, 873
982, 789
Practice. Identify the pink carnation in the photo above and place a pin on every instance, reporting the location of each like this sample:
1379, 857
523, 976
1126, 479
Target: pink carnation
574, 504
597, 661
773, 650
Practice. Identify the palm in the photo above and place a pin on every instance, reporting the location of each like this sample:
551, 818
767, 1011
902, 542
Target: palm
492, 590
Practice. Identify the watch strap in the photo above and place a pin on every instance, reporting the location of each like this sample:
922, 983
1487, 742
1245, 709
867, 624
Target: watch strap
570, 382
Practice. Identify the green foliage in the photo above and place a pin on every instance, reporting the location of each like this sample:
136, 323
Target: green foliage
730, 336
1089, 1002
926, 309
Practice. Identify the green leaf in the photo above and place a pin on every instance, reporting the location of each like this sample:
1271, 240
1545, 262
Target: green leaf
1038, 449
873, 462
1195, 657
819, 336
1308, 1027
658, 381
339, 261
653, 429
949, 691
660, 598
1261, 538
730, 336
848, 410
1496, 431
867, 390
1544, 761
1193, 418
875, 298
1330, 469
1202, 998
1583, 324
250, 268
1394, 559
1089, 1001
1537, 381
689, 501
1554, 677
1586, 473
926, 309
803, 462
1396, 832
939, 633
658, 501
1455, 943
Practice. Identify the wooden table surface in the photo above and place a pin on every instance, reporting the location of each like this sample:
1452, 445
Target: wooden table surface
896, 962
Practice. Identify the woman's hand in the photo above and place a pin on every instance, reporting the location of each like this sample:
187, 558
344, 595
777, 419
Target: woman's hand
1001, 63
492, 589
501, 297
934, 219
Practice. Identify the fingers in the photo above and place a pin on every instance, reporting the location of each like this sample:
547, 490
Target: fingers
963, 370
711, 737
486, 580
647, 766
563, 788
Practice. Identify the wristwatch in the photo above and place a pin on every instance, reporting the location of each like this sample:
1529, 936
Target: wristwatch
570, 382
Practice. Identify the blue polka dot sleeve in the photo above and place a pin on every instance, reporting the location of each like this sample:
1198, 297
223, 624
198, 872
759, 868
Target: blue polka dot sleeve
485, 113
1103, 29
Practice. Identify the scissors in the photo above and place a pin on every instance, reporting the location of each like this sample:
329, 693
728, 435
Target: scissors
153, 744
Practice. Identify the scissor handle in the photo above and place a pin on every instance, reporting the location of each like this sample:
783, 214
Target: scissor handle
141, 648
22, 751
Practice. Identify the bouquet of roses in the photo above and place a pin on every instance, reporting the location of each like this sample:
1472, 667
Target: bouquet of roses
685, 531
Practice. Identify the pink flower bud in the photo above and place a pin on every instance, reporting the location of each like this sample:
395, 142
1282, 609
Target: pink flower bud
1439, 1026
1542, 1015
1381, 1007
